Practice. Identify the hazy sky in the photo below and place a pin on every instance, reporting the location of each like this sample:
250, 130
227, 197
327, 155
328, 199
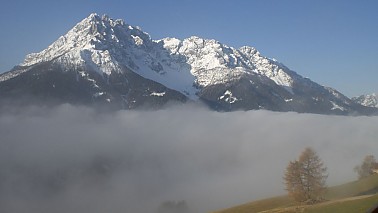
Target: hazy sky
71, 159
333, 42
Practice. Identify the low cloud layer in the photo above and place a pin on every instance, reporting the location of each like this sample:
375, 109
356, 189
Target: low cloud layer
73, 159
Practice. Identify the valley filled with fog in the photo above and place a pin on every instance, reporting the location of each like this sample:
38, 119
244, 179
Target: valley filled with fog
76, 159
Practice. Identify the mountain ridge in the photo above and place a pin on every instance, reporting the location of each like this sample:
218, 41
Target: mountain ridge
200, 69
370, 100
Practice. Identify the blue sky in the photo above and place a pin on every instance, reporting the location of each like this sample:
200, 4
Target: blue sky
333, 42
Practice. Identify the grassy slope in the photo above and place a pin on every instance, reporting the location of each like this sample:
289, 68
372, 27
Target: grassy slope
352, 206
286, 204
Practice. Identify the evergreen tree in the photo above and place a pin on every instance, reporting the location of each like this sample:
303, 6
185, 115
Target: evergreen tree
305, 178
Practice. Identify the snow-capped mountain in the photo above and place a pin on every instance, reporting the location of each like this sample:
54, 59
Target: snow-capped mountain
102, 60
367, 100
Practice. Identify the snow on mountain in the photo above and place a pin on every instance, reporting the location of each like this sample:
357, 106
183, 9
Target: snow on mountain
224, 77
367, 100
212, 62
106, 45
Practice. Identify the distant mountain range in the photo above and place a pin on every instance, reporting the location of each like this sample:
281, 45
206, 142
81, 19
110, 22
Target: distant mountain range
367, 100
106, 62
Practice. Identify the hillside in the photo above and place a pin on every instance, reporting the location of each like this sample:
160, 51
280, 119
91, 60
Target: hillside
356, 196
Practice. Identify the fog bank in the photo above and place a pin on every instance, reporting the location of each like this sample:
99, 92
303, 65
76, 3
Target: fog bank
73, 159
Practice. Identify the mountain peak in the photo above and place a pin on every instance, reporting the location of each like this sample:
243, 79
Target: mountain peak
197, 68
93, 15
105, 17
249, 50
367, 100
99, 24
92, 33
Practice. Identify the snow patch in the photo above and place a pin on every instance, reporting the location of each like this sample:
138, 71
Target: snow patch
228, 97
98, 94
159, 94
138, 41
337, 107
9, 75
94, 82
367, 100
